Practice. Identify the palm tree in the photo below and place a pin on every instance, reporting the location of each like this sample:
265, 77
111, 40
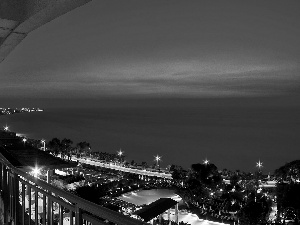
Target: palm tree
71, 151
66, 147
84, 147
144, 165
54, 146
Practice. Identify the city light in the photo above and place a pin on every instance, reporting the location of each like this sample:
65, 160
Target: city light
157, 158
120, 153
24, 140
36, 171
206, 161
259, 164
6, 128
44, 144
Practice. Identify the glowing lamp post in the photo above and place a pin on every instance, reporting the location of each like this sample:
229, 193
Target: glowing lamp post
157, 159
24, 140
120, 153
90, 152
259, 165
44, 144
36, 171
6, 128
206, 162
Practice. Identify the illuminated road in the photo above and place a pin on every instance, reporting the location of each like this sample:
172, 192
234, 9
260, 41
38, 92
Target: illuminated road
124, 169
96, 162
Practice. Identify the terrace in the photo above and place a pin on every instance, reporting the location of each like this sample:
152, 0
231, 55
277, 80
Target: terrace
25, 199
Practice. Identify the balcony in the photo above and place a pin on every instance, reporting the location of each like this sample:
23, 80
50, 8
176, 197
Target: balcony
26, 199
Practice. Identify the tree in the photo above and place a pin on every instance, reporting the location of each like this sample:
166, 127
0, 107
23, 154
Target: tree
196, 189
144, 165
289, 172
54, 146
234, 179
84, 148
71, 151
66, 147
288, 186
178, 173
255, 212
206, 173
133, 163
288, 196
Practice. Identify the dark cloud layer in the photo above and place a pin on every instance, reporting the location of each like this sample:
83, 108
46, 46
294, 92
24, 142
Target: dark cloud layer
168, 48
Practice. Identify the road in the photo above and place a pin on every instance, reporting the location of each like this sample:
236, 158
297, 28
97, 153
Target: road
96, 162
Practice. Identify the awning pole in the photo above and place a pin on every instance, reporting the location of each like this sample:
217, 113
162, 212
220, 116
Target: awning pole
176, 213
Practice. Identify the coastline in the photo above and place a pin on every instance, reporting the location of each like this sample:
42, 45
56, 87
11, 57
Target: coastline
144, 132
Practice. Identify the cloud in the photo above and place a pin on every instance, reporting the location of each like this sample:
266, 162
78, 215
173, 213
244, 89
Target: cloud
200, 79
171, 78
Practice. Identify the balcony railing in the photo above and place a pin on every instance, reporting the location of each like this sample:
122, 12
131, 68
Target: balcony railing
29, 200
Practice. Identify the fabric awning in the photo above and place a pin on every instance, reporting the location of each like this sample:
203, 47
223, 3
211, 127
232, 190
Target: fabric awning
155, 208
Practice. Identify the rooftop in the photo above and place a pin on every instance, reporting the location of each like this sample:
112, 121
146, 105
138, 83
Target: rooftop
29, 158
155, 208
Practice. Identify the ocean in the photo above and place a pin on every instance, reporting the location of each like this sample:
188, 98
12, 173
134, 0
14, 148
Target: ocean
232, 134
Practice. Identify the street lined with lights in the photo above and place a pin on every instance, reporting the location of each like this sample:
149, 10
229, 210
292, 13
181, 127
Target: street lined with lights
123, 169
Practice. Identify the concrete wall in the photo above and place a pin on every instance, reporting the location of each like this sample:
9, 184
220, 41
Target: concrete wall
20, 17
1, 211
12, 9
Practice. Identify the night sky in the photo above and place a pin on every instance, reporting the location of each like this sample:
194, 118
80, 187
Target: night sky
163, 50
158, 48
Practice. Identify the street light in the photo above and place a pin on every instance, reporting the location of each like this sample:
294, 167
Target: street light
24, 140
157, 158
205, 161
6, 128
44, 144
120, 153
36, 171
259, 165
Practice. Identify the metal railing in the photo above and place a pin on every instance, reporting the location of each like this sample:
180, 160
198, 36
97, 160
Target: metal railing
28, 200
